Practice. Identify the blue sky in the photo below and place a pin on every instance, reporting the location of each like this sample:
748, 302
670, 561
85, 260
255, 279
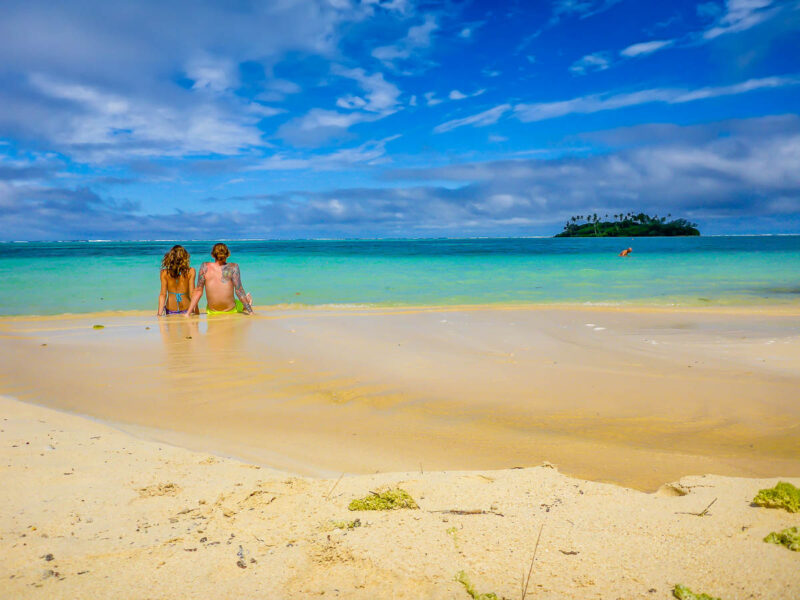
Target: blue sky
339, 118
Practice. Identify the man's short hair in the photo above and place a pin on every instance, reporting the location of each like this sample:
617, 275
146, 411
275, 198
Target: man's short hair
220, 251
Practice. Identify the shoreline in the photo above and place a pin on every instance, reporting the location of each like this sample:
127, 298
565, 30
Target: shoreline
787, 308
183, 524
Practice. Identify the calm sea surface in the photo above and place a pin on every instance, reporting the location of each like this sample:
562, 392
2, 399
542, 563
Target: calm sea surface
81, 277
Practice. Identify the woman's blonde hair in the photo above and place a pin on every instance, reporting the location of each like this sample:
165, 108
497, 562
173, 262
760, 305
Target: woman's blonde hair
176, 262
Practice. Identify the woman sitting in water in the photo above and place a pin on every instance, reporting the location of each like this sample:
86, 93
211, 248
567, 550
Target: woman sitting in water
177, 282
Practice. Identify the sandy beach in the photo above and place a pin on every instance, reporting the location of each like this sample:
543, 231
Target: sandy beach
149, 457
90, 511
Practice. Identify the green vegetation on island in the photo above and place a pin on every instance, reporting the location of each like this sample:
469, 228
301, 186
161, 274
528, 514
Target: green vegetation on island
627, 225
783, 495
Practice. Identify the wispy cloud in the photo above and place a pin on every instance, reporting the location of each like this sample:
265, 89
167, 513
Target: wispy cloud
380, 99
458, 95
580, 8
601, 102
369, 153
381, 96
644, 48
597, 61
741, 15
487, 117
418, 37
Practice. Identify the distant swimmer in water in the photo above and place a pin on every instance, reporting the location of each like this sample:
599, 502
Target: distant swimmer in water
626, 252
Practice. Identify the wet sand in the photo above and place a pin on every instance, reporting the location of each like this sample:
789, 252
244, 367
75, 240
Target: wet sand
637, 397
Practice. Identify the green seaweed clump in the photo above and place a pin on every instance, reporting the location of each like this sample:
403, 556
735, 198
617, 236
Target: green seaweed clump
788, 537
462, 578
783, 495
346, 524
98, 326
681, 592
388, 500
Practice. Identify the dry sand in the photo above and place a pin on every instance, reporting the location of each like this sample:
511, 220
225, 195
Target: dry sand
91, 512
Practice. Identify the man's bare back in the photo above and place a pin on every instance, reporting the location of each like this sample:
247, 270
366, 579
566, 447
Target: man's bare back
221, 281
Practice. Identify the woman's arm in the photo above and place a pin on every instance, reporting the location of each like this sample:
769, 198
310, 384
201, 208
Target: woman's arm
197, 292
191, 289
162, 296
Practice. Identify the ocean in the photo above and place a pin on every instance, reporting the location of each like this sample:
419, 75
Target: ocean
41, 278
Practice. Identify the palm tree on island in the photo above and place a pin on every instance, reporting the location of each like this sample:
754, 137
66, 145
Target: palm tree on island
627, 225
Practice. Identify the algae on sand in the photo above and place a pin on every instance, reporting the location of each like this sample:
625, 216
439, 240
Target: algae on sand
461, 577
788, 537
388, 500
783, 495
681, 592
346, 524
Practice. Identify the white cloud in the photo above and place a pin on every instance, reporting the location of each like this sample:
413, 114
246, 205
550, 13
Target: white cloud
213, 74
597, 61
600, 102
320, 125
277, 90
644, 48
580, 8
381, 96
458, 95
487, 117
431, 99
741, 15
116, 83
381, 99
418, 37
369, 153
107, 125
469, 29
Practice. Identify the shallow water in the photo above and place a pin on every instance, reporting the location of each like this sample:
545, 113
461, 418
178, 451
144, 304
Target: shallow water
82, 277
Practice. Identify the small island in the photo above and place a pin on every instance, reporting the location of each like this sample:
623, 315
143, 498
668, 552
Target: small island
627, 225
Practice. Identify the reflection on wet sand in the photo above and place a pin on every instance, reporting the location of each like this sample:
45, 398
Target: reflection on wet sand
637, 397
204, 359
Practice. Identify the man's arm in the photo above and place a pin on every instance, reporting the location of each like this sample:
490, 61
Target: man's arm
197, 293
236, 278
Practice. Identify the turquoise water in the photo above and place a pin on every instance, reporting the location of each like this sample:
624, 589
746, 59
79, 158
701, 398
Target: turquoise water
80, 277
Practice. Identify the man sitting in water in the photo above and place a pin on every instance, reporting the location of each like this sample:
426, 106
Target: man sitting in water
626, 252
220, 280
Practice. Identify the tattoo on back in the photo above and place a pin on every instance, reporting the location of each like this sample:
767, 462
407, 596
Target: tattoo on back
230, 272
